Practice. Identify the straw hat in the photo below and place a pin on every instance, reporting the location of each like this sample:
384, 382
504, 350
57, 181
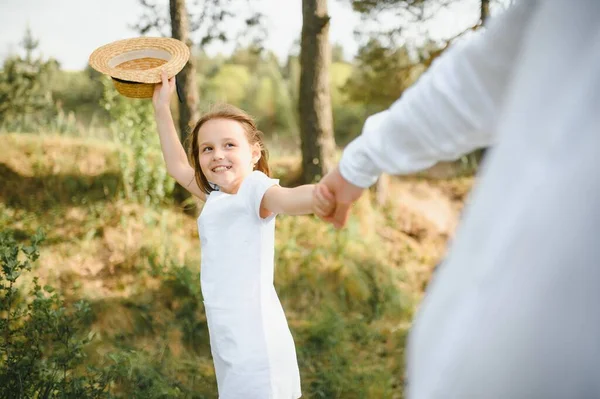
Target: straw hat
135, 64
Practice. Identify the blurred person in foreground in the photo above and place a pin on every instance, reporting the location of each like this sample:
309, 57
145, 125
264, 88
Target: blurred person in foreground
512, 313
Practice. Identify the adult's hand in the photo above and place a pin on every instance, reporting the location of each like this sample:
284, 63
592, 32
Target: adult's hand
344, 193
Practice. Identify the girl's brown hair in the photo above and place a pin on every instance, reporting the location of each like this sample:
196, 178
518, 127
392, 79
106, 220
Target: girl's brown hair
226, 111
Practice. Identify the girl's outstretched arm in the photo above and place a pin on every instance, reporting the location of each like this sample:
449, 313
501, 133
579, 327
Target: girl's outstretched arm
174, 155
300, 200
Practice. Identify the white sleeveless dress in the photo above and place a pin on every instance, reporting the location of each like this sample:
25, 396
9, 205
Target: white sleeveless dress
252, 347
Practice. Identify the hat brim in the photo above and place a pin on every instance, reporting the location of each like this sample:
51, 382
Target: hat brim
141, 59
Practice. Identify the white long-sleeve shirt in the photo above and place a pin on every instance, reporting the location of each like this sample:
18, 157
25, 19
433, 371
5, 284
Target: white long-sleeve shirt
514, 310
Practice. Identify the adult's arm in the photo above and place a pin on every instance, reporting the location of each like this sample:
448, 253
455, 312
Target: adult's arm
449, 111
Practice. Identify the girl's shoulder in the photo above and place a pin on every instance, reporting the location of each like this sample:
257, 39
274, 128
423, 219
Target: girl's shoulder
257, 178
257, 174
254, 187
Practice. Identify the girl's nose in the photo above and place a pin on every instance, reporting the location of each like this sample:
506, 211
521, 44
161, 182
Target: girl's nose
217, 154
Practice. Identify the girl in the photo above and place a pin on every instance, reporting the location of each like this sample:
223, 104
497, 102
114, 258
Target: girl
251, 344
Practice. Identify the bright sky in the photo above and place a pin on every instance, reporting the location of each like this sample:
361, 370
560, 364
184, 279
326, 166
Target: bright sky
69, 30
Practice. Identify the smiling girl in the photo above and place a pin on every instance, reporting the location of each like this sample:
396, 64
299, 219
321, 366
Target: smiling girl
252, 347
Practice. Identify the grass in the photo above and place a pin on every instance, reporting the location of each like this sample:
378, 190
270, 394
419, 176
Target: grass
349, 295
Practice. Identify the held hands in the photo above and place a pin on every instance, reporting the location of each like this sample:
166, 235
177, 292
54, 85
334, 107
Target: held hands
333, 197
163, 92
323, 201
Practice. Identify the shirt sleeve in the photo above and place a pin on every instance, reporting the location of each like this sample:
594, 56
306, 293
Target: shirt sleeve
449, 111
255, 187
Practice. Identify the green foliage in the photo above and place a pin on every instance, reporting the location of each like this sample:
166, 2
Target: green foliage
328, 353
181, 286
229, 84
79, 93
339, 73
144, 176
381, 75
140, 376
45, 343
171, 317
270, 99
42, 340
26, 104
337, 54
374, 6
251, 57
348, 115
345, 272
348, 119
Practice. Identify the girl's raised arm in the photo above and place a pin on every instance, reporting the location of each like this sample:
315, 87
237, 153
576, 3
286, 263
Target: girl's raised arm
174, 155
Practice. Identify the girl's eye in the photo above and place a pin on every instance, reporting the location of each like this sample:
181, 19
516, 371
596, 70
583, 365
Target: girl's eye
206, 149
229, 145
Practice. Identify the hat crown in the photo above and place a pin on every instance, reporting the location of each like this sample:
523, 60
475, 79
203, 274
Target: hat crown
140, 60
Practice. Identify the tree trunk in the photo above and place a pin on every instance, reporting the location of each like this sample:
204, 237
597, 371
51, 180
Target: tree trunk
485, 11
188, 108
314, 103
484, 15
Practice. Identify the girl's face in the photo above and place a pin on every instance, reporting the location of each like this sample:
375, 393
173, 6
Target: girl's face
226, 156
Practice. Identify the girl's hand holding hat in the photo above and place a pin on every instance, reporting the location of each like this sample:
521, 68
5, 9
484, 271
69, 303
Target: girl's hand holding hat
163, 91
135, 64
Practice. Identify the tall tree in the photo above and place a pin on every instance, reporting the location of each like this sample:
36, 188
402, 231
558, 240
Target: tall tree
188, 109
314, 104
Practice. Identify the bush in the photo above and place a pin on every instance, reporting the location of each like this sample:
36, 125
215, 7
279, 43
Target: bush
328, 350
41, 339
44, 340
144, 176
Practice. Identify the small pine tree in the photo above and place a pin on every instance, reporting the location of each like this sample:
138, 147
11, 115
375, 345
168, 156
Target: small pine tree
25, 98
